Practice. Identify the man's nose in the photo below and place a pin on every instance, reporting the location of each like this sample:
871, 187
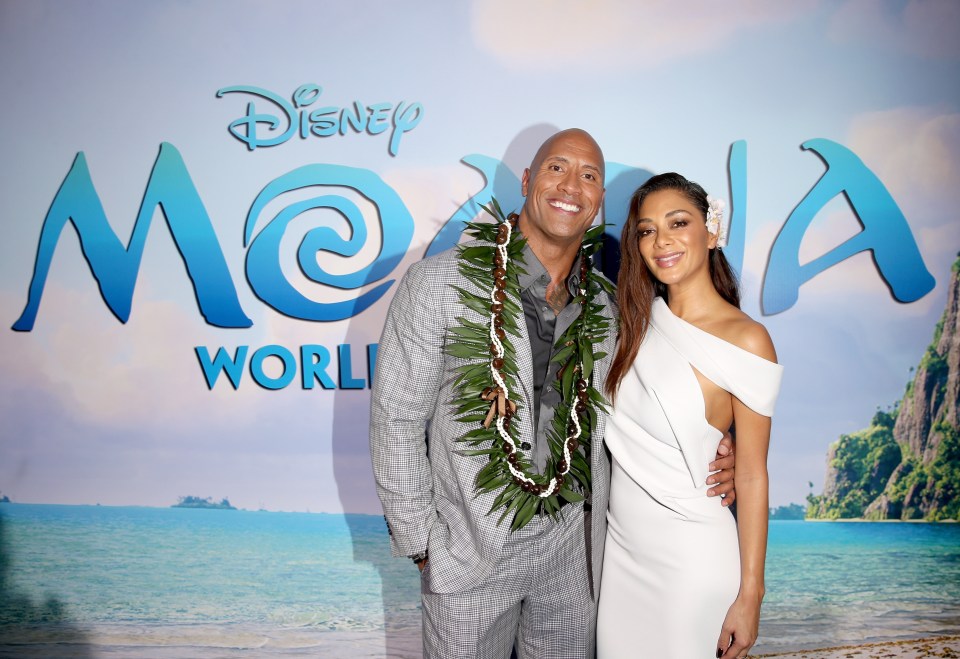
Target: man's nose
570, 183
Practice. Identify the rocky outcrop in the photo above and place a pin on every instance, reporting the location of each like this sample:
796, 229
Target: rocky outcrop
933, 394
906, 465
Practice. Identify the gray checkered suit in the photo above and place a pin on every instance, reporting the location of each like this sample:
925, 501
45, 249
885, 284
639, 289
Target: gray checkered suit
423, 479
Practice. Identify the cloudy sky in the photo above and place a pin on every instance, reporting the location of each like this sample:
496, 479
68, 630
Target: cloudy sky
100, 411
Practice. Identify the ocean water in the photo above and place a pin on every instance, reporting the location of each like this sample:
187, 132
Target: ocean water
96, 581
839, 583
91, 581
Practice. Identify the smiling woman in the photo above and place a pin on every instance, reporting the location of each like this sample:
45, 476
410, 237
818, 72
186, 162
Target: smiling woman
689, 365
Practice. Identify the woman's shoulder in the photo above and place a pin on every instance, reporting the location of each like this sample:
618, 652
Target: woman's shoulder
737, 328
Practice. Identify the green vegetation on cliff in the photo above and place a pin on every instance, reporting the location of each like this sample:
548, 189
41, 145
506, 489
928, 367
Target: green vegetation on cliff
861, 463
935, 486
906, 465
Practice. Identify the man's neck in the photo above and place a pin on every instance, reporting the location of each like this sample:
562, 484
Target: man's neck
557, 262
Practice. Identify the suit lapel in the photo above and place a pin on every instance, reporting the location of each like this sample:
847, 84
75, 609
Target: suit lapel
599, 459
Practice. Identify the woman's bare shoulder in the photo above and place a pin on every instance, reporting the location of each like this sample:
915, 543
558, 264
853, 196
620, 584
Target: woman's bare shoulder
736, 327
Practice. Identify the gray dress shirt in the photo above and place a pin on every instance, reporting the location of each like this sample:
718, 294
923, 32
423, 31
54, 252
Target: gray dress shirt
544, 327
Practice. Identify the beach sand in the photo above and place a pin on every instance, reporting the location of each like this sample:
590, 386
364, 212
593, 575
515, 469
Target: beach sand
940, 646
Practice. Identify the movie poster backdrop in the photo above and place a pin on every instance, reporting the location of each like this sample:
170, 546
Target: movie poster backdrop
207, 207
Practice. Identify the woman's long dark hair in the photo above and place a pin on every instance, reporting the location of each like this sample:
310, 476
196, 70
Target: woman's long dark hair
637, 287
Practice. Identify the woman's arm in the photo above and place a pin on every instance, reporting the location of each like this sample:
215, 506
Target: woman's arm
739, 631
742, 623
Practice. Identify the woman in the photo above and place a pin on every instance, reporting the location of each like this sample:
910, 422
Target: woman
681, 577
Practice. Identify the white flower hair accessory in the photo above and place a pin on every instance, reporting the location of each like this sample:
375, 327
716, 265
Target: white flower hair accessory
715, 223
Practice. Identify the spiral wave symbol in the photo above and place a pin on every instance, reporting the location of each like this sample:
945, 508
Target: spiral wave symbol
264, 270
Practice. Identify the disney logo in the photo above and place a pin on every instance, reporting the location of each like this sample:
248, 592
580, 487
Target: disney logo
263, 129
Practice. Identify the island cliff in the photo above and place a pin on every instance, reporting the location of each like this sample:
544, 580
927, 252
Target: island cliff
906, 465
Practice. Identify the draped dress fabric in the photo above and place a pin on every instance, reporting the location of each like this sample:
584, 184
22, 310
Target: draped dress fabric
671, 568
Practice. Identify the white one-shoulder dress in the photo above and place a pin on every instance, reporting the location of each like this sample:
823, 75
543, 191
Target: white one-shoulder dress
671, 566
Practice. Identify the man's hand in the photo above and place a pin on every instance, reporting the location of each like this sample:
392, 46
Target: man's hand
722, 481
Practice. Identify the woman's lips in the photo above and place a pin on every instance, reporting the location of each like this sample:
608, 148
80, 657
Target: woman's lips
668, 260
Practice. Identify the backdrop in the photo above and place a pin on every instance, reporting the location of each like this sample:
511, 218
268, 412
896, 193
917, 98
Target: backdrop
206, 207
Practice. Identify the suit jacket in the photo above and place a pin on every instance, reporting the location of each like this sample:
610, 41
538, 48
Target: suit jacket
424, 480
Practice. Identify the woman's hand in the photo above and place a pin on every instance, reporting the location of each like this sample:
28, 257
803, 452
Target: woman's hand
740, 628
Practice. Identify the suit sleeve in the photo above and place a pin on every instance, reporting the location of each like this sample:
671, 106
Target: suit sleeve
409, 372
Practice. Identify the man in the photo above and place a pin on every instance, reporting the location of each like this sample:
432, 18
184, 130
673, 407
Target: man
485, 588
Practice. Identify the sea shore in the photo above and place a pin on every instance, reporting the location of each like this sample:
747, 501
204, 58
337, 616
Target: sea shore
940, 646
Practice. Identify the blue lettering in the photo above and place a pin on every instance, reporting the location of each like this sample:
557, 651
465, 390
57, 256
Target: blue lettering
322, 122
307, 94
245, 128
322, 125
405, 119
737, 230
372, 361
356, 119
886, 233
302, 97
314, 361
114, 266
347, 381
379, 118
260, 376
222, 363
264, 271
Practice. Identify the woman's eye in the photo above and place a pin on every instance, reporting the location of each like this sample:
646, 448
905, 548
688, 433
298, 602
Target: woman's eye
646, 232
681, 223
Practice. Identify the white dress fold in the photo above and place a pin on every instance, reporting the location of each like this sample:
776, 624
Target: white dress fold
672, 564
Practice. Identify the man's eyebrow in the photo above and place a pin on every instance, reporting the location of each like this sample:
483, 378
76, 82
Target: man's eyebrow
564, 160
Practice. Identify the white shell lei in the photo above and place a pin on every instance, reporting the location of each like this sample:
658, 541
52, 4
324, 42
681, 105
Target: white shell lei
551, 488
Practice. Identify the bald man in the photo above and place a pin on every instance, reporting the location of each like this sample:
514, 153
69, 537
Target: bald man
487, 589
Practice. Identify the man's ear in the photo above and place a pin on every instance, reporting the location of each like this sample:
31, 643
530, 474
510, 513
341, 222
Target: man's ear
525, 181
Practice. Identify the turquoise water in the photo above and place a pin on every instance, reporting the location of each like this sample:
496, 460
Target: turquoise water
94, 581
835, 583
154, 578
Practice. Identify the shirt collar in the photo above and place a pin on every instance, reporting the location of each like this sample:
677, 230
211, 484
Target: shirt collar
535, 270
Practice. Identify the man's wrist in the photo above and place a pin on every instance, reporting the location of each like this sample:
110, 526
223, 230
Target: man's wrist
419, 557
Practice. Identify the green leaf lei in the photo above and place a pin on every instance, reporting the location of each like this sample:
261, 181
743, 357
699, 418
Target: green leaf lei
486, 384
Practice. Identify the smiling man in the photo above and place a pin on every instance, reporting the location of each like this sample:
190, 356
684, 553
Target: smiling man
487, 584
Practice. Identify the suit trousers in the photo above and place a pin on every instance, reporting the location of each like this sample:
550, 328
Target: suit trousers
537, 598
